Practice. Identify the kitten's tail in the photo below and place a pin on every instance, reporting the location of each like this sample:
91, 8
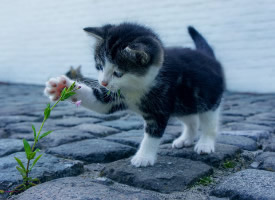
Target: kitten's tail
200, 42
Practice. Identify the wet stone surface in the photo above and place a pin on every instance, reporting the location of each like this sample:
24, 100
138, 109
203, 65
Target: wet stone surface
93, 152
239, 141
248, 184
222, 153
134, 137
9, 146
82, 188
124, 125
96, 130
265, 161
253, 134
180, 173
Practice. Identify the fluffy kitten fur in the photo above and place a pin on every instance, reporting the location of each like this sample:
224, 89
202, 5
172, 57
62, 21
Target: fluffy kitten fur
155, 82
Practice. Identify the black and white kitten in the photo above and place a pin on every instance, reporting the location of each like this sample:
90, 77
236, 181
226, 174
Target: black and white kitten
155, 82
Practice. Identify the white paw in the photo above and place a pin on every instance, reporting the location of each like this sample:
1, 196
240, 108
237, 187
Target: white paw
181, 142
55, 86
205, 146
143, 161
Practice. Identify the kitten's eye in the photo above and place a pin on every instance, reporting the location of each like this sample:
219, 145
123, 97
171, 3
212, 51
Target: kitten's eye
99, 67
118, 74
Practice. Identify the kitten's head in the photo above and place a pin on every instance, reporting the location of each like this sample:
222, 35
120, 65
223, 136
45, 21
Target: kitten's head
127, 56
74, 74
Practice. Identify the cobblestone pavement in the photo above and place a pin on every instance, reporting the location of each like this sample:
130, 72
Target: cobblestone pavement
88, 154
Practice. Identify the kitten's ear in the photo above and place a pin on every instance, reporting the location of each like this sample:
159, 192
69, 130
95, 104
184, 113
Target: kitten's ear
78, 69
96, 32
137, 54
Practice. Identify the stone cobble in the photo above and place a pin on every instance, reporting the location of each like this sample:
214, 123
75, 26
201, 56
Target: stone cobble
92, 152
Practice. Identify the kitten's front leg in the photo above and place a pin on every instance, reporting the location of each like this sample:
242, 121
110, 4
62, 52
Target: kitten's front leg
147, 153
90, 97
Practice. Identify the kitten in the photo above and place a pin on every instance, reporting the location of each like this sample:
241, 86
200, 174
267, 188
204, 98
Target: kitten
155, 82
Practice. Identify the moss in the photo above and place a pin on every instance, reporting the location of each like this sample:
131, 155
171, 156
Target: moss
229, 164
205, 181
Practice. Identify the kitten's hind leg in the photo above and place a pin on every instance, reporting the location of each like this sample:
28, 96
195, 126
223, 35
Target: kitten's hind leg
209, 122
191, 126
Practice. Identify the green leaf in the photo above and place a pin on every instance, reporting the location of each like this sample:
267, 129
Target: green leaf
37, 150
109, 92
71, 87
32, 155
35, 161
47, 111
64, 91
67, 95
27, 148
45, 134
20, 163
34, 131
21, 171
118, 92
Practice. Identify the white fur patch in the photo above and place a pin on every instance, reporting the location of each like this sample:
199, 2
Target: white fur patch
209, 122
134, 87
147, 153
191, 127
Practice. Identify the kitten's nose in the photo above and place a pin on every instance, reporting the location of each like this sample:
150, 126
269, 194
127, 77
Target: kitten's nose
104, 83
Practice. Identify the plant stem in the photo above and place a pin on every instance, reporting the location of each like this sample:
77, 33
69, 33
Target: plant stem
35, 141
27, 172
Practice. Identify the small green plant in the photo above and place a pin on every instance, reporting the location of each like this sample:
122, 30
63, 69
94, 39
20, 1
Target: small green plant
229, 164
31, 152
205, 181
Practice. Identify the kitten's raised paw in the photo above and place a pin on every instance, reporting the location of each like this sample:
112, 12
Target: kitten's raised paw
205, 147
180, 143
55, 86
142, 161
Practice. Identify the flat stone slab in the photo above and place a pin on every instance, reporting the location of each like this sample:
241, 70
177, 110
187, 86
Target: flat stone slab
124, 125
134, 138
5, 120
93, 150
47, 168
265, 161
79, 188
239, 141
260, 122
249, 184
229, 119
74, 121
65, 136
96, 129
168, 175
9, 146
269, 144
89, 113
26, 127
222, 153
253, 134
247, 127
